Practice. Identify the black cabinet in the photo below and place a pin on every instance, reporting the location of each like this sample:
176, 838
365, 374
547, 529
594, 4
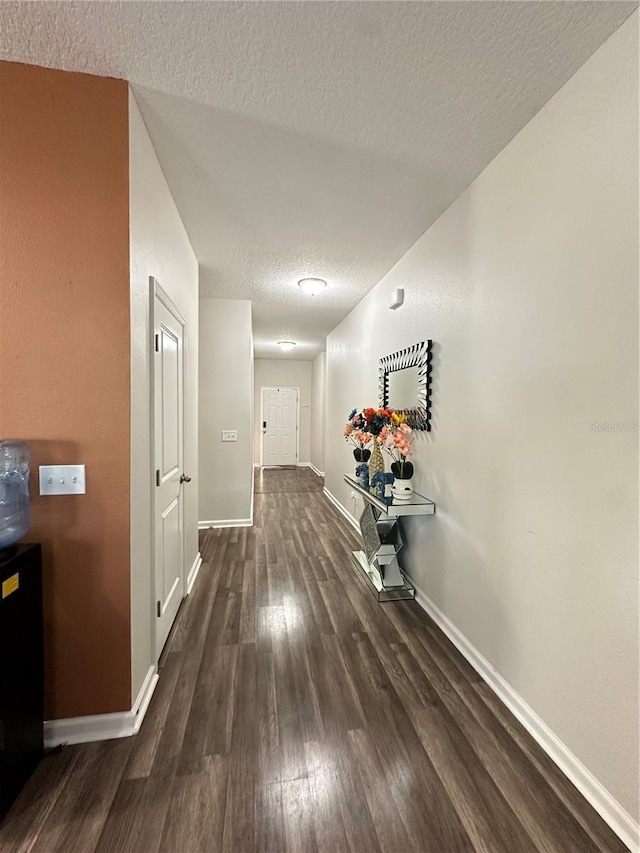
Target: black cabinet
21, 669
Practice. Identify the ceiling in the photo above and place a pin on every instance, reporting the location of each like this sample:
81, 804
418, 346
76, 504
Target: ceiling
316, 138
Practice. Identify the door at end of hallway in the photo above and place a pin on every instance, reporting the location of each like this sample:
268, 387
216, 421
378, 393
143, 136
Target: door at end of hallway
279, 419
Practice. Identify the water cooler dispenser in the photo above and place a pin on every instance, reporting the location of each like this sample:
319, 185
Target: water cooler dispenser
21, 657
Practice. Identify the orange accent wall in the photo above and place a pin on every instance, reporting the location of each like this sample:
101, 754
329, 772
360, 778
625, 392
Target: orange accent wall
65, 360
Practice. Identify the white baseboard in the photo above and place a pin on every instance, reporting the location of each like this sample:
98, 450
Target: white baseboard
620, 821
143, 698
352, 521
315, 470
226, 522
193, 572
591, 789
103, 726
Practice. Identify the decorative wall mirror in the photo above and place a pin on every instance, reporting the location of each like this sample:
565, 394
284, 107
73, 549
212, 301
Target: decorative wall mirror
405, 384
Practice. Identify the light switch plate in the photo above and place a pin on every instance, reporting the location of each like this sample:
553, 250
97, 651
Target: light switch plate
229, 434
62, 480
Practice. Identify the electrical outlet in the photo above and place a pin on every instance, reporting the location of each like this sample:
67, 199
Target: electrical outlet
353, 496
229, 434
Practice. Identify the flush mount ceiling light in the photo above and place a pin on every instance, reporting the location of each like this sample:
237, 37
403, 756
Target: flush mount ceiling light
312, 286
286, 346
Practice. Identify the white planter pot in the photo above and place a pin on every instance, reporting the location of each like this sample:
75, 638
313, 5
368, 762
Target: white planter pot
402, 490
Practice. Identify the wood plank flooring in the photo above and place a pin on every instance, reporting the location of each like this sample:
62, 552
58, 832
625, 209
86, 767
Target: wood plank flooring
295, 713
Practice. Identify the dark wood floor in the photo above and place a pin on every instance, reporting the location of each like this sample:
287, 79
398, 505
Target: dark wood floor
295, 713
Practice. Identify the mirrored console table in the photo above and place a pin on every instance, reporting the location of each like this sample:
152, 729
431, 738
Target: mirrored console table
382, 539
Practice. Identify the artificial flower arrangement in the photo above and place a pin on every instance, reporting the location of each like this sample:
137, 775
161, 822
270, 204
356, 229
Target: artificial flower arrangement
363, 428
359, 439
370, 421
355, 432
396, 439
386, 428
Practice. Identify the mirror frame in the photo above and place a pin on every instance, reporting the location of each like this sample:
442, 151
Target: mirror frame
418, 355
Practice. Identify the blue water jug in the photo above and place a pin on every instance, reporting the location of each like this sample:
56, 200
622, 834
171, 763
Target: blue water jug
14, 491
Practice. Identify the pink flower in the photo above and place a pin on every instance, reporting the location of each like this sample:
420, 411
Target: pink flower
396, 440
363, 437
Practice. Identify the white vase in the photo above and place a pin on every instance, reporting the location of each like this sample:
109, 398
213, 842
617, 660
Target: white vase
402, 490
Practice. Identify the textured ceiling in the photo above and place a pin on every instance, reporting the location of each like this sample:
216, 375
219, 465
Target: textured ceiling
315, 138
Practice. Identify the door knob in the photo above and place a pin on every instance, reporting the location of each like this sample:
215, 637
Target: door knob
184, 478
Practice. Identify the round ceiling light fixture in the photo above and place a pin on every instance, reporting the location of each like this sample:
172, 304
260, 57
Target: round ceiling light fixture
312, 286
286, 346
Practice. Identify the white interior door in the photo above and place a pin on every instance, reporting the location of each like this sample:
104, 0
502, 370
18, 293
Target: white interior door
169, 455
279, 426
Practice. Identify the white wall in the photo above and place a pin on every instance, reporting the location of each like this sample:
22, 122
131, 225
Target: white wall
318, 411
284, 373
160, 247
226, 402
528, 285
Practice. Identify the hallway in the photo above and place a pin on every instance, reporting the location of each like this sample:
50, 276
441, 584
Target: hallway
294, 713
